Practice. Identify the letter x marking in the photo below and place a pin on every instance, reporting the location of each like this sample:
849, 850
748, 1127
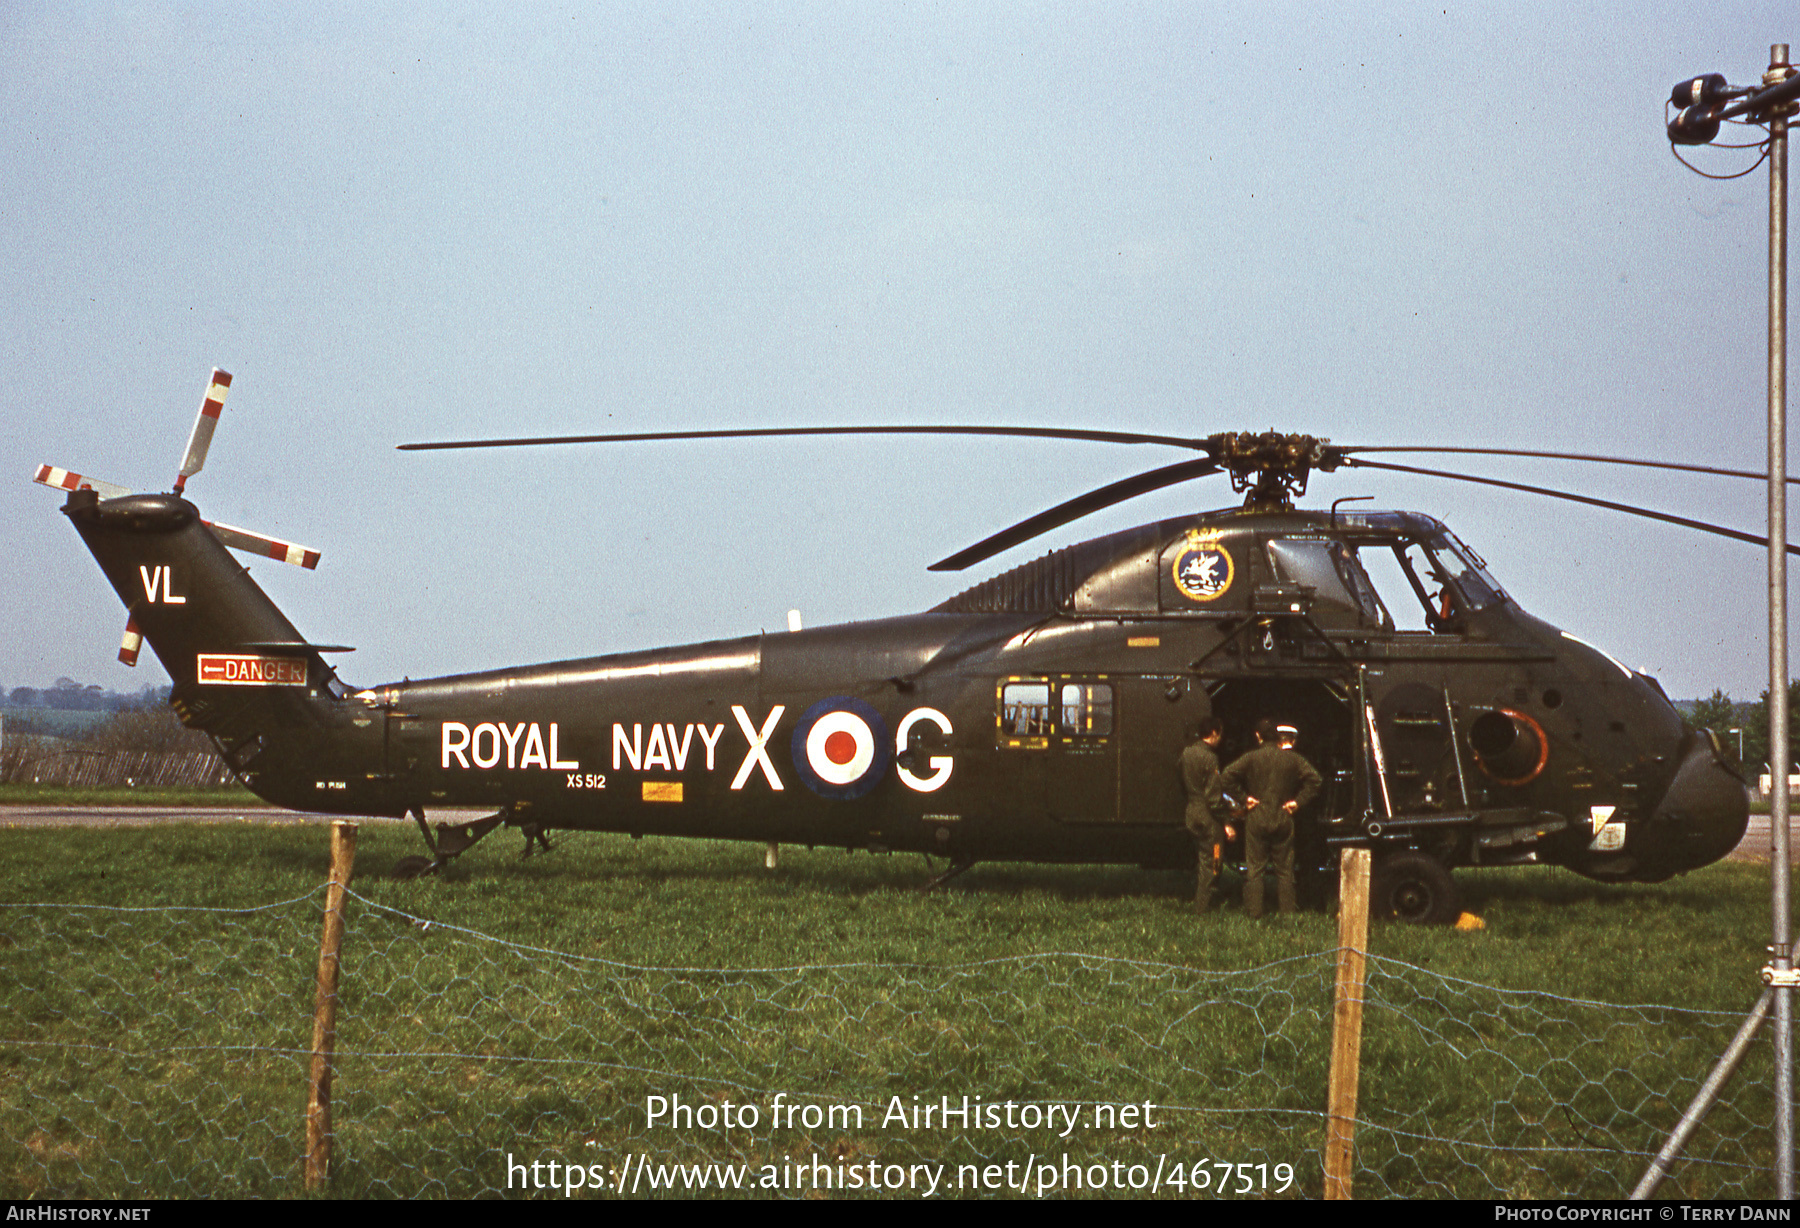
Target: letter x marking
759, 742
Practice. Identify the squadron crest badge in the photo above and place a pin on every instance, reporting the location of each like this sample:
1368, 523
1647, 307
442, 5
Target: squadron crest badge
1203, 568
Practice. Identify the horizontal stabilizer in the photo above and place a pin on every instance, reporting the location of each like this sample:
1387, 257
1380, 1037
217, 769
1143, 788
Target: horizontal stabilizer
297, 646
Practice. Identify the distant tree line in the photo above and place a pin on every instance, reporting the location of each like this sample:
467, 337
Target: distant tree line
1720, 714
154, 730
67, 695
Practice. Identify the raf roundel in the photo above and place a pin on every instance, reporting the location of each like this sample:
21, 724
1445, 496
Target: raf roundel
841, 747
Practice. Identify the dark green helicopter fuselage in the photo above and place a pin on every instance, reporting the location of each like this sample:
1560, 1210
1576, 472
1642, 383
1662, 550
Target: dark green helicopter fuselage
1038, 716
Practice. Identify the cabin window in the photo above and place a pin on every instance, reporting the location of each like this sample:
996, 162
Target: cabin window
1087, 710
1033, 711
1025, 710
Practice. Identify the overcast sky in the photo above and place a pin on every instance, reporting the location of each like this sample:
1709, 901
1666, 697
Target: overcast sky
1392, 223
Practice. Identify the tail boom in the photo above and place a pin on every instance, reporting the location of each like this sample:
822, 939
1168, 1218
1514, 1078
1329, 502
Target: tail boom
241, 671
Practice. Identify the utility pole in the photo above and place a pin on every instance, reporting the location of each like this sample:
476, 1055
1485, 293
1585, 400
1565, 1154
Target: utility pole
1705, 103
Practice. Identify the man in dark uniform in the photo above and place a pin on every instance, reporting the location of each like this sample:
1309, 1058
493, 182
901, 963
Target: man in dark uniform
1275, 782
1207, 813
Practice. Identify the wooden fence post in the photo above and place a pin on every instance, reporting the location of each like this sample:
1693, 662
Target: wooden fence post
1346, 1019
318, 1099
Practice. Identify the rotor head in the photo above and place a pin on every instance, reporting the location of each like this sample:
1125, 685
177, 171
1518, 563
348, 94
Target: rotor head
1271, 467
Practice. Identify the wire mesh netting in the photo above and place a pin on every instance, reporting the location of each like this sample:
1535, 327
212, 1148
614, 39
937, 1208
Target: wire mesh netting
163, 1052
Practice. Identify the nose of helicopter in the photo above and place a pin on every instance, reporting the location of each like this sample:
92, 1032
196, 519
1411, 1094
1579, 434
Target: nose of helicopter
1702, 816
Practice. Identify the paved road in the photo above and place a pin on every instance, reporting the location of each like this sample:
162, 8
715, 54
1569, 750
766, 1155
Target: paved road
1755, 846
150, 816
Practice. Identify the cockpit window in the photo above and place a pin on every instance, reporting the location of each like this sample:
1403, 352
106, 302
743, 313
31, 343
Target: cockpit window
1331, 570
1434, 591
1470, 572
1423, 580
1447, 579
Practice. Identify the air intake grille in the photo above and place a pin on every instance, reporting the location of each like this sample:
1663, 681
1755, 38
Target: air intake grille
1042, 586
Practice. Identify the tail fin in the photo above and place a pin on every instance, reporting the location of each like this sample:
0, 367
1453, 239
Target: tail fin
241, 671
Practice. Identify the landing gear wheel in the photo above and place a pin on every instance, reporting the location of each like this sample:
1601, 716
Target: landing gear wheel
412, 867
1414, 888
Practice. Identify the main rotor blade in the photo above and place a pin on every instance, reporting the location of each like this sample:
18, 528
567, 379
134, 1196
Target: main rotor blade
1035, 432
1075, 509
1629, 510
1575, 456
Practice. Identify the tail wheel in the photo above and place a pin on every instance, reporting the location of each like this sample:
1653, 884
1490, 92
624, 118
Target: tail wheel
1417, 889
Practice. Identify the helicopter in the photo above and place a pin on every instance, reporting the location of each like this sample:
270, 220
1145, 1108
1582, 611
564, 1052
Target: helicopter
1036, 716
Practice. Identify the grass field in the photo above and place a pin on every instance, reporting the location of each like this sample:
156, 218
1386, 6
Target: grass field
531, 1008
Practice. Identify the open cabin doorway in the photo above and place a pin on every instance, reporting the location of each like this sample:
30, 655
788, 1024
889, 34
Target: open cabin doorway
1324, 713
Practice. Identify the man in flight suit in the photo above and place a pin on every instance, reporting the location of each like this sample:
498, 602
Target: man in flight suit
1207, 813
1275, 782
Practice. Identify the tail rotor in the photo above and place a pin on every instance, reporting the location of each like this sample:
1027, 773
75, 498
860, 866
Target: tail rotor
205, 422
199, 442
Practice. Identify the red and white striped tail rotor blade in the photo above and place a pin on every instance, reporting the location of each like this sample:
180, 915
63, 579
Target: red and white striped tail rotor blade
132, 643
268, 547
63, 479
204, 424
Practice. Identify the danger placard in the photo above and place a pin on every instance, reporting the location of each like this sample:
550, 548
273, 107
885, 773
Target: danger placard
238, 669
